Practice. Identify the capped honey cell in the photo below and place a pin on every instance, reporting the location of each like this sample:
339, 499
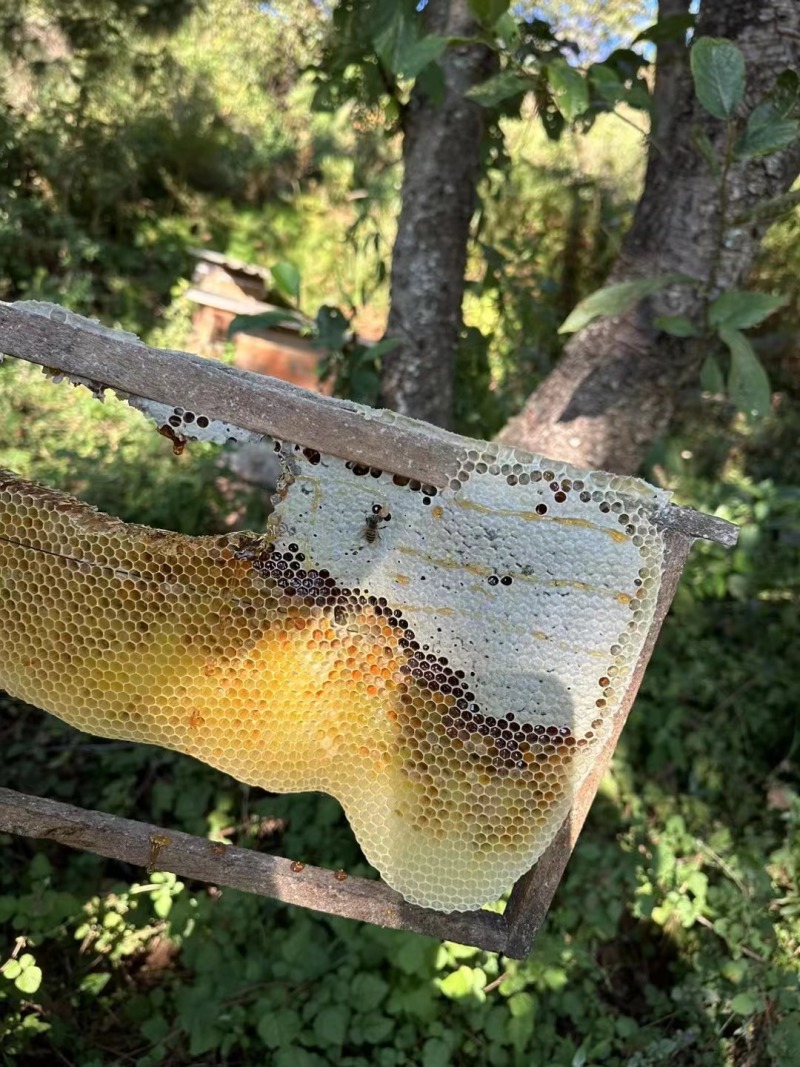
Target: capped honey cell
449, 680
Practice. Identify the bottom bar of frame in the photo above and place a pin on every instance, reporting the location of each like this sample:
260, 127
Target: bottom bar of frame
154, 848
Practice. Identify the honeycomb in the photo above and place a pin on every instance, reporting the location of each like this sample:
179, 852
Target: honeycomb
446, 662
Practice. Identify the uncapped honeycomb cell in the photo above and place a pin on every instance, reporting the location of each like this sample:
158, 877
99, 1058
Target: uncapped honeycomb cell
444, 661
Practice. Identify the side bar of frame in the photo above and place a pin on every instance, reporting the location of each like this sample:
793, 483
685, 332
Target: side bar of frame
533, 893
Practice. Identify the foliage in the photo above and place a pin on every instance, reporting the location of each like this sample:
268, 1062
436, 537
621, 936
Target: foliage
718, 70
377, 50
674, 937
379, 53
535, 61
118, 158
616, 299
353, 365
350, 363
61, 436
548, 231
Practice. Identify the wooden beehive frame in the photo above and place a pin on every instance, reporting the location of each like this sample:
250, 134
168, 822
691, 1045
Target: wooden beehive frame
265, 406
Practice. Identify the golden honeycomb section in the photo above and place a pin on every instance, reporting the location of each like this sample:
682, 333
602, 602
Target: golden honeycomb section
231, 652
247, 653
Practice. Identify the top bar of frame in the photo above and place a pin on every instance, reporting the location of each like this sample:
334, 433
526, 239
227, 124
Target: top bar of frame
69, 344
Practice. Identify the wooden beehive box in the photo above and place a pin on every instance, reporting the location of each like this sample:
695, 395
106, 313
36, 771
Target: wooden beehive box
223, 288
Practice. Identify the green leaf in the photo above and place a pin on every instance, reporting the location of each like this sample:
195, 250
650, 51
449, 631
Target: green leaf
718, 69
606, 83
297, 1057
746, 1004
697, 884
204, 1034
711, 379
368, 991
570, 91
458, 984
155, 1028
414, 956
638, 96
617, 299
464, 982
521, 1004
677, 325
29, 980
519, 1029
499, 87
487, 12
278, 1028
286, 277
740, 309
762, 138
331, 328
418, 55
11, 969
162, 904
782, 101
785, 97
380, 348
773, 124
330, 1025
436, 1053
494, 1028
430, 81
555, 977
263, 321
507, 29
40, 867
748, 385
402, 50
377, 1028
671, 28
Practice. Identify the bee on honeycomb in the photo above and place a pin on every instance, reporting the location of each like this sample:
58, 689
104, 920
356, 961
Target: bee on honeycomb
371, 531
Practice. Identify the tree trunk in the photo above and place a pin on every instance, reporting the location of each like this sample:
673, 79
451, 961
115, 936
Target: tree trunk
441, 155
617, 384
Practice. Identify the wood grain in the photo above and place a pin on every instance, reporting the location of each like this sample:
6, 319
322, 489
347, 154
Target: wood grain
202, 860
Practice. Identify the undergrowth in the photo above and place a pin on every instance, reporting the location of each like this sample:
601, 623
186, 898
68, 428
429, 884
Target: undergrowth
674, 937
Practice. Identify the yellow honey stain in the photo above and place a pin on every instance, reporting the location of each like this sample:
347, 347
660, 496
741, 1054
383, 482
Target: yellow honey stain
533, 516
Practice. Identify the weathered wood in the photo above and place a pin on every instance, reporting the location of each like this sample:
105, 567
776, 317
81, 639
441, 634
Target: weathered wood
533, 893
147, 846
696, 524
261, 404
251, 401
